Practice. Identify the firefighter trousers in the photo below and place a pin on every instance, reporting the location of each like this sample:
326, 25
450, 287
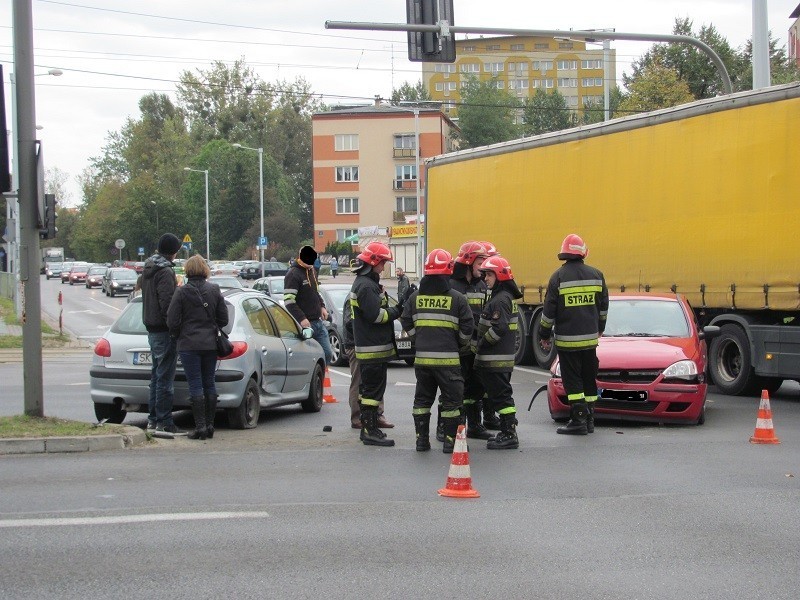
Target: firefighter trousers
451, 383
498, 390
579, 374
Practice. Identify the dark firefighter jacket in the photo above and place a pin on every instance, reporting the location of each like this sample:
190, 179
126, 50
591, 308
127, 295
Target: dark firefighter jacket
577, 304
158, 285
300, 292
439, 320
475, 292
497, 329
372, 320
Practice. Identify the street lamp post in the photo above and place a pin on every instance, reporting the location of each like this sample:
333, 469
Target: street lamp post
153, 202
260, 195
208, 238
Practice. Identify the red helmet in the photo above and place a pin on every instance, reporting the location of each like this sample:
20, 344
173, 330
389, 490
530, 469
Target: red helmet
439, 262
499, 266
573, 247
374, 253
489, 249
468, 252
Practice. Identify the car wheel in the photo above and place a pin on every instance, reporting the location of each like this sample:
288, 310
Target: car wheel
542, 358
112, 293
338, 359
730, 363
112, 413
245, 416
314, 401
47, 277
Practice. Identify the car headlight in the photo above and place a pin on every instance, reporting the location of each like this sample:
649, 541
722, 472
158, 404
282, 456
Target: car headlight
115, 284
683, 369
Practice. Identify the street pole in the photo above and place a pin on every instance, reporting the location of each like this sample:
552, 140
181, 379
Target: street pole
25, 128
261, 200
606, 82
761, 75
417, 151
208, 239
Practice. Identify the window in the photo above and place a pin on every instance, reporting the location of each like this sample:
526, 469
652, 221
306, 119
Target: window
592, 82
542, 65
406, 203
521, 84
444, 68
342, 234
407, 172
541, 46
405, 140
565, 45
572, 101
346, 174
439, 87
346, 141
520, 67
548, 83
591, 64
567, 65
347, 206
448, 106
258, 317
564, 82
593, 100
469, 48
494, 67
451, 86
493, 46
518, 47
499, 84
287, 326
470, 68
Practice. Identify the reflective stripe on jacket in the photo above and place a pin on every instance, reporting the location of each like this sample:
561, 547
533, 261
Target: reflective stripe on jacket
497, 332
372, 316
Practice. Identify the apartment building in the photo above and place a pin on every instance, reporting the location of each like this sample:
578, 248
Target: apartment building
794, 37
521, 65
365, 174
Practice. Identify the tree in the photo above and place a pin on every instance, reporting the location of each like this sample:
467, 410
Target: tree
410, 93
656, 86
545, 112
594, 112
486, 114
781, 68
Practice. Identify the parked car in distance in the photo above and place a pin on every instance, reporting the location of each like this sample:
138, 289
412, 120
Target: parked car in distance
253, 270
224, 269
77, 273
335, 295
653, 360
53, 269
94, 276
65, 267
119, 280
274, 362
271, 286
226, 282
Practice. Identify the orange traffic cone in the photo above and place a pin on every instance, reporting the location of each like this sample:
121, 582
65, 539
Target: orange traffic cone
327, 396
459, 482
764, 433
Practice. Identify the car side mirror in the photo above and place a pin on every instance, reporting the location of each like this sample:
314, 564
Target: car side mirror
709, 332
308, 333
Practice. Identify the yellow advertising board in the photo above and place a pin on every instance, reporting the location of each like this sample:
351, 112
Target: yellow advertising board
404, 231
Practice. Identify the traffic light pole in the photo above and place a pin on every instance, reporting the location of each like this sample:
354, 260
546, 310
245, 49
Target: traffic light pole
29, 253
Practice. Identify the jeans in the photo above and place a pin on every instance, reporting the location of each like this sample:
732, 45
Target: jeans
162, 377
200, 367
321, 335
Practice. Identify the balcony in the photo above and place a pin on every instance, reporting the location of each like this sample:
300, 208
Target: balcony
399, 216
404, 184
403, 152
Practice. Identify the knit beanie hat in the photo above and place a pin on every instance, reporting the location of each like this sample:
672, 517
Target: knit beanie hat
308, 255
168, 244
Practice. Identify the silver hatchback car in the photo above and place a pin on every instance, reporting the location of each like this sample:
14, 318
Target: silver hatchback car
274, 362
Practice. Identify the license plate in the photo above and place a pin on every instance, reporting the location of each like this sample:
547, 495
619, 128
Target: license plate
404, 345
142, 358
631, 395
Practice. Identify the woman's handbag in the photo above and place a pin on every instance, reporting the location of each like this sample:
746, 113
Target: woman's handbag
223, 344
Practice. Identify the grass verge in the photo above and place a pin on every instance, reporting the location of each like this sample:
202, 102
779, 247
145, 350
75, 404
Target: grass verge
23, 426
50, 337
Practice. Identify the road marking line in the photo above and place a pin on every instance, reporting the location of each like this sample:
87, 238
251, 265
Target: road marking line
108, 305
128, 519
532, 371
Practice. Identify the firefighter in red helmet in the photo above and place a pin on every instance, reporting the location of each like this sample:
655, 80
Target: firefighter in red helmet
373, 334
440, 321
576, 303
494, 356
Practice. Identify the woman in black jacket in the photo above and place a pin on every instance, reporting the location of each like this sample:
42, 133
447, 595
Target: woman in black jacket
196, 311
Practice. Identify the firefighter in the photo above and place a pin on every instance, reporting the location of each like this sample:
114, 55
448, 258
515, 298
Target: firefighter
441, 323
469, 281
494, 352
577, 304
374, 337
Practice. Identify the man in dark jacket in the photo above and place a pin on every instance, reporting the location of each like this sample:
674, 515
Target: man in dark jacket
158, 286
302, 299
577, 302
403, 285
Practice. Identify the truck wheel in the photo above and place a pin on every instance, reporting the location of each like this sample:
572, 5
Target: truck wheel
542, 358
731, 364
521, 339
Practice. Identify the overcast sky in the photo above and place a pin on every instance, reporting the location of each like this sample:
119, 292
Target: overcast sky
113, 52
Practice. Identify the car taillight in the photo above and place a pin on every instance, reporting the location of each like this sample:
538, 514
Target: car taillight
102, 348
239, 348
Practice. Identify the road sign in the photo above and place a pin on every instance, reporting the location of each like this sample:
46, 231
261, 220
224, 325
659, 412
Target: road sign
187, 245
263, 242
186, 239
141, 251
119, 244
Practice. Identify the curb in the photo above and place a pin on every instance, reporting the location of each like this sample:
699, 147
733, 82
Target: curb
8, 355
133, 436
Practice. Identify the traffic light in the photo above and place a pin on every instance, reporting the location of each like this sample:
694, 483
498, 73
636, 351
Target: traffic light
429, 46
5, 176
48, 232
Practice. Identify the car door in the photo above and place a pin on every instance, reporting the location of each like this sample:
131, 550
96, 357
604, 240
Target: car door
300, 353
269, 346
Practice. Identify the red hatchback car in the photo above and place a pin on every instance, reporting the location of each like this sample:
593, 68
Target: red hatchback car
652, 359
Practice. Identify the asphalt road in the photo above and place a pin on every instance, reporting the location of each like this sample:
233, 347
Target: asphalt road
288, 511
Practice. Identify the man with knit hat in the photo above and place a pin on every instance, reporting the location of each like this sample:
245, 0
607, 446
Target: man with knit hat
158, 286
302, 299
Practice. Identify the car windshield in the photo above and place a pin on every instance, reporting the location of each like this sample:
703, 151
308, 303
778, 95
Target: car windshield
339, 297
80, 267
226, 282
125, 275
97, 270
646, 318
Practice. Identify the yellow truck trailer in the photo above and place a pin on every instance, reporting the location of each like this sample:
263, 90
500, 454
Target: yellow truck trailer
701, 199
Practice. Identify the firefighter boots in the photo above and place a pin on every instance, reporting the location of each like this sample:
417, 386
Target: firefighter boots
371, 435
507, 438
198, 404
590, 417
450, 430
211, 411
475, 428
422, 425
490, 420
439, 424
577, 420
